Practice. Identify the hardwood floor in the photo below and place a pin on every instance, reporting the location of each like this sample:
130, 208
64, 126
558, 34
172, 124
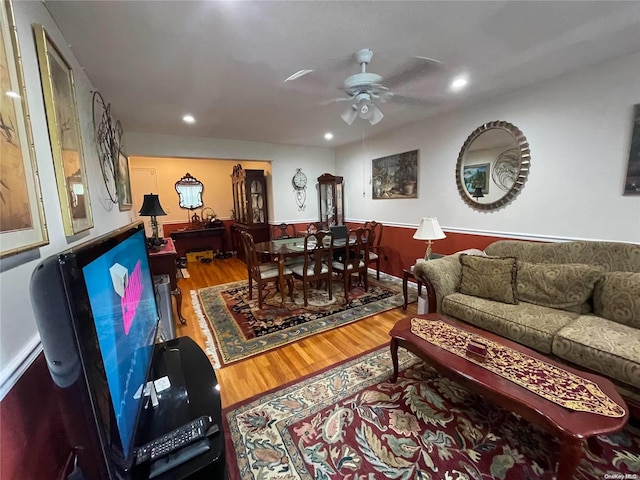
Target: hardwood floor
276, 368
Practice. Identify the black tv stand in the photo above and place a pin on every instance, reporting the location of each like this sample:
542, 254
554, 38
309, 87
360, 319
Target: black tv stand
193, 393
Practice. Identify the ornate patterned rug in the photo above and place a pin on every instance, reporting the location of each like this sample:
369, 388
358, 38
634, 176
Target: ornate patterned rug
240, 329
349, 423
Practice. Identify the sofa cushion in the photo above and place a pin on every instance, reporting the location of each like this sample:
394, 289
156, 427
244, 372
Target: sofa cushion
525, 323
617, 297
603, 346
493, 278
567, 286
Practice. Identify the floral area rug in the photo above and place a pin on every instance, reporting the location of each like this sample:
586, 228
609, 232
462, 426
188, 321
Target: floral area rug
349, 423
240, 329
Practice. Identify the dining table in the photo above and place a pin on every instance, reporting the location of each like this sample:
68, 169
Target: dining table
279, 250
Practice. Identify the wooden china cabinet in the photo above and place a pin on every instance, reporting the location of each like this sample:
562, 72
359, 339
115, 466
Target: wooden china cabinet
331, 198
249, 205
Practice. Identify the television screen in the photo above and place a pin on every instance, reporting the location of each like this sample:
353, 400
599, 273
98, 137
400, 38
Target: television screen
121, 294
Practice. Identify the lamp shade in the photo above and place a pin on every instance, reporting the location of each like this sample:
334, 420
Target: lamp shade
429, 229
151, 206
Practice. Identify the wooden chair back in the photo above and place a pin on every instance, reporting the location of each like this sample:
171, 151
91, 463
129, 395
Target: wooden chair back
318, 257
318, 252
358, 248
376, 234
314, 227
283, 230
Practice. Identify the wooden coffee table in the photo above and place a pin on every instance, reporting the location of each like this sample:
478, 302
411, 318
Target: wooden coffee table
571, 427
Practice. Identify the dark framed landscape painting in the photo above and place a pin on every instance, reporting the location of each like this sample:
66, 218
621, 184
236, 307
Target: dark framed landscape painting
395, 176
632, 182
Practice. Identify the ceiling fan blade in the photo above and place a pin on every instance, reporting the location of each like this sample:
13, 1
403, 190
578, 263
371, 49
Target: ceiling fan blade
421, 102
349, 115
298, 74
335, 100
415, 68
340, 66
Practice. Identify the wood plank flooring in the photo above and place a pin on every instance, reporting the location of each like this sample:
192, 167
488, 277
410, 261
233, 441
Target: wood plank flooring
276, 368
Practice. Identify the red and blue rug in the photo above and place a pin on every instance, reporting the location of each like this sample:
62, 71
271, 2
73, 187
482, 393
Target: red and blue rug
349, 423
240, 329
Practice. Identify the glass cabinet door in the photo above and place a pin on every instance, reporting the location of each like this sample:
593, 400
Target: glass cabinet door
331, 199
258, 203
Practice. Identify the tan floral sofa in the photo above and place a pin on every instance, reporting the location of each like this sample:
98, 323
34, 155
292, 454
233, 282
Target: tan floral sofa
575, 301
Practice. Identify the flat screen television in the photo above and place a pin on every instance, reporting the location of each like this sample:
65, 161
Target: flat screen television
97, 314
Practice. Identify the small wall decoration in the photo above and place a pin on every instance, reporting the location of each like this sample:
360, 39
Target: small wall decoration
123, 183
64, 134
22, 222
395, 176
299, 182
109, 146
476, 176
632, 183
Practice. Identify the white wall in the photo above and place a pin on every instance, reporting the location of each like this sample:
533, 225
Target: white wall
19, 339
579, 130
285, 159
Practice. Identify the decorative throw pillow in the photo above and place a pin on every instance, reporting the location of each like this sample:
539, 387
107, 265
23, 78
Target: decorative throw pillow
566, 286
493, 278
617, 297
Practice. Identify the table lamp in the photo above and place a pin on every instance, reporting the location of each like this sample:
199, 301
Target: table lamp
151, 208
429, 230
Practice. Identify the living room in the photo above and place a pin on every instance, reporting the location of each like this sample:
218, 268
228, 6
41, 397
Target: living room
578, 126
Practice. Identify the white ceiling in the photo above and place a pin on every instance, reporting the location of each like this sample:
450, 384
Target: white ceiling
225, 62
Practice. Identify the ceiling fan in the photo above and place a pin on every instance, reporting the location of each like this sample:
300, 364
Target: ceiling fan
363, 88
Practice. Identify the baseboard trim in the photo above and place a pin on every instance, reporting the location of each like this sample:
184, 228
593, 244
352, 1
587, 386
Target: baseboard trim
21, 362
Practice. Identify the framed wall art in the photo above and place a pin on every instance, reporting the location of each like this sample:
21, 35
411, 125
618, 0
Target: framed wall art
22, 221
476, 176
123, 183
632, 182
64, 133
395, 176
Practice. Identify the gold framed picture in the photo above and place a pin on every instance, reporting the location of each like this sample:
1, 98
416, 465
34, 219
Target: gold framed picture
64, 133
22, 221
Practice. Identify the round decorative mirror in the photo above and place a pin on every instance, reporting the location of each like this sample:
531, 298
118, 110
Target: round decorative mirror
493, 165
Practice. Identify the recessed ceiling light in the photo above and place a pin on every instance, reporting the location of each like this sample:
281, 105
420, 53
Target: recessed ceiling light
328, 136
458, 83
188, 119
12, 94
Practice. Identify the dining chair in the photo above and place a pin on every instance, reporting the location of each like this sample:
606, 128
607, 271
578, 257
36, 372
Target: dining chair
284, 230
356, 250
314, 227
374, 244
263, 272
317, 266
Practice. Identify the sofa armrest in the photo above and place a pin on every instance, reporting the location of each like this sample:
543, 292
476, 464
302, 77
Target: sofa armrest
441, 277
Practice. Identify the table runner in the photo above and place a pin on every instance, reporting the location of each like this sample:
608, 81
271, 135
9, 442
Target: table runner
549, 381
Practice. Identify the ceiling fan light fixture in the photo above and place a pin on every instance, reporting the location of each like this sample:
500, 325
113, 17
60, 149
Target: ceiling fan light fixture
350, 114
376, 115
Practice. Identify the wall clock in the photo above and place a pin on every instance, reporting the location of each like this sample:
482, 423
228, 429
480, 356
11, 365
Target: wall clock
299, 182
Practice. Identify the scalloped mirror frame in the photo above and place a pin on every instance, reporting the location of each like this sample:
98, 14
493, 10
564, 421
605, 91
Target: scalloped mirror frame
520, 142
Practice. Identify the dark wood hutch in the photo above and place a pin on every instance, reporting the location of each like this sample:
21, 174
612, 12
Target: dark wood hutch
249, 205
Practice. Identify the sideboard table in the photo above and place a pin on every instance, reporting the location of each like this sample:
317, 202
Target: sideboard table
165, 261
188, 240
